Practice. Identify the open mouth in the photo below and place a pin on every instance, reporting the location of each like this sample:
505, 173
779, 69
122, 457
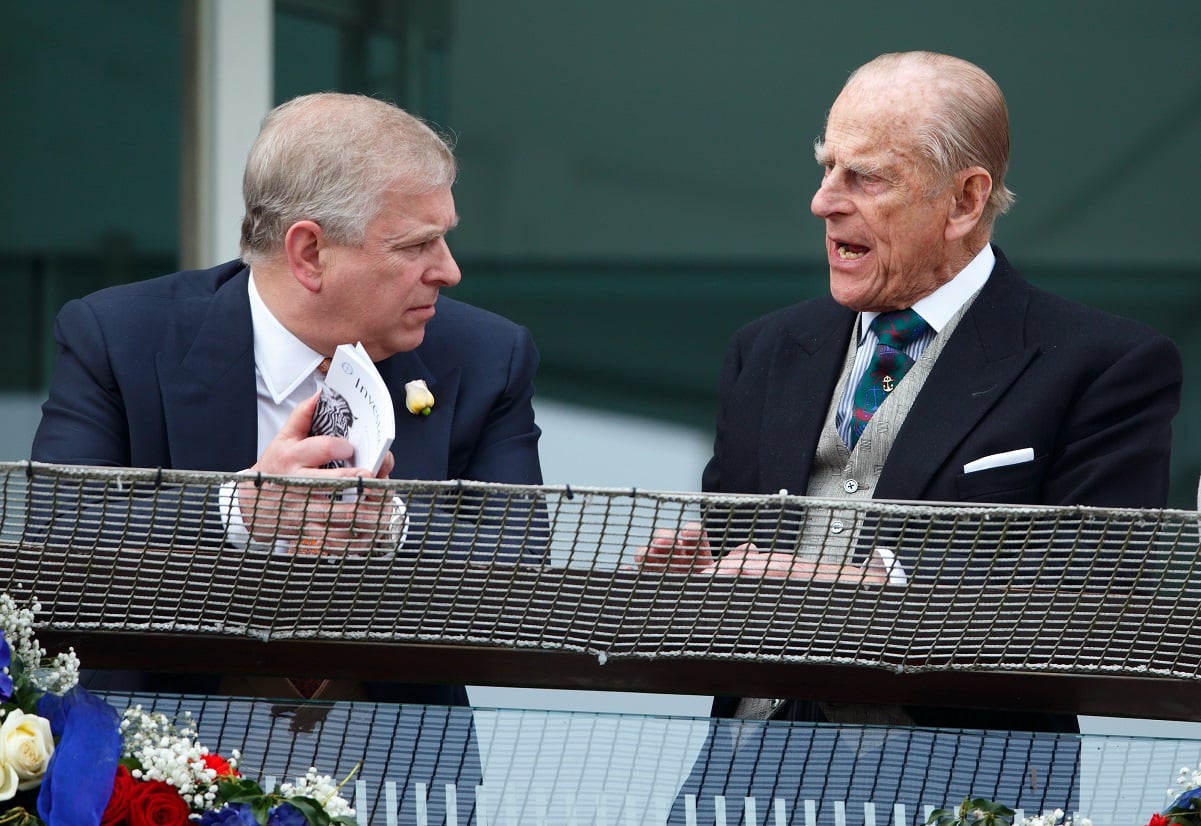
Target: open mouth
849, 252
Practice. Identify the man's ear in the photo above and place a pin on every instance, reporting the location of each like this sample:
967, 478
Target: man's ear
969, 195
303, 244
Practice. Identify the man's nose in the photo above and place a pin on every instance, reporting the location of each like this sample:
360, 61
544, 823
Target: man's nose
445, 270
828, 198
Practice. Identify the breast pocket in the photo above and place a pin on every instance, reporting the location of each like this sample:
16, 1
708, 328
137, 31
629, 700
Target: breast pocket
1012, 484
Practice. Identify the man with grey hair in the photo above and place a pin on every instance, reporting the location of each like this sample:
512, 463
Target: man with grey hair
932, 371
348, 204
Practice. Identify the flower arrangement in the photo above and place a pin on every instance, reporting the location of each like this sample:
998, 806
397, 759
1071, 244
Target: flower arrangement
67, 758
981, 812
1185, 808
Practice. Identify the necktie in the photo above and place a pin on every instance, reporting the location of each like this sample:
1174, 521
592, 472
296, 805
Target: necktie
888, 365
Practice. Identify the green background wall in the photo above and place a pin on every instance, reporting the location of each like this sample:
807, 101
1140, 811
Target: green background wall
636, 174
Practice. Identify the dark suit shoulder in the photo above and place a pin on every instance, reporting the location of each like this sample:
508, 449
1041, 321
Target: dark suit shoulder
470, 335
1054, 321
185, 284
808, 323
460, 318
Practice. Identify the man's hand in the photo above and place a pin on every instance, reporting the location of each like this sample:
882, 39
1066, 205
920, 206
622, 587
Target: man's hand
312, 520
746, 560
685, 551
688, 551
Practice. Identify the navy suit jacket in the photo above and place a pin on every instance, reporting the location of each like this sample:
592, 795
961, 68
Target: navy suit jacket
1093, 395
160, 373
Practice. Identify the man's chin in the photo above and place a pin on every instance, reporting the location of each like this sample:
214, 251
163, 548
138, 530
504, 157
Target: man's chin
849, 295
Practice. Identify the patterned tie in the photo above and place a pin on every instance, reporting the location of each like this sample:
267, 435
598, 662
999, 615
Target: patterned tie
889, 364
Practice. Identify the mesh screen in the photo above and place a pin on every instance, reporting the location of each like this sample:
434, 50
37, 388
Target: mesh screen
1057, 590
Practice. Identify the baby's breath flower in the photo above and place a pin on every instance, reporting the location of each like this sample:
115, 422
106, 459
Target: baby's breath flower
170, 752
323, 789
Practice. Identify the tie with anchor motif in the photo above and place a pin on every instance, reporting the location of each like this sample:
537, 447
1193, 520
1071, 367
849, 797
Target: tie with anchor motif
888, 365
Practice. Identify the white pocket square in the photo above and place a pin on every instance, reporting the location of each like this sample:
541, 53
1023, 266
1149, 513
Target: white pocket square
1009, 457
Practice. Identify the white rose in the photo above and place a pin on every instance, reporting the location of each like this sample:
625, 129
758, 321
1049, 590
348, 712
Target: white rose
8, 782
418, 398
25, 748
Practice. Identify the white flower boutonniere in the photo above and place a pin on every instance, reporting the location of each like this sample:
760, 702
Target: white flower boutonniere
418, 398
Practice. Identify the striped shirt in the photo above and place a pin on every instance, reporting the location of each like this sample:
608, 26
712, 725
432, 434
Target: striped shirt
937, 309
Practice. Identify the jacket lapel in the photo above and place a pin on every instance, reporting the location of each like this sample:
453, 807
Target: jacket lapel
801, 380
985, 356
208, 389
422, 443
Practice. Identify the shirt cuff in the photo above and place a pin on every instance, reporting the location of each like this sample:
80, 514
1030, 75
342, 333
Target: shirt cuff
888, 560
237, 534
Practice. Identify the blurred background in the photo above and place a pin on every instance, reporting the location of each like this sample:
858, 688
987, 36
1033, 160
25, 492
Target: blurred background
636, 174
635, 185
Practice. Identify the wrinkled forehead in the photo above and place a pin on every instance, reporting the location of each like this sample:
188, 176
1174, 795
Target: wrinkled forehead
880, 114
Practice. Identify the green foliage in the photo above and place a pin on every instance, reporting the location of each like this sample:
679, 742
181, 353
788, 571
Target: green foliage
977, 812
243, 790
19, 817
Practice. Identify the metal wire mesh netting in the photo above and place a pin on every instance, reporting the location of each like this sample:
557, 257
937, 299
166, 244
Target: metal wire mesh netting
1060, 590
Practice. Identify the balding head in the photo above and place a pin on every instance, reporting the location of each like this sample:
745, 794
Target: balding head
964, 121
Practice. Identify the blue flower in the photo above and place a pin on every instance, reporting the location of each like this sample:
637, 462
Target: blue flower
232, 814
1189, 800
285, 814
6, 659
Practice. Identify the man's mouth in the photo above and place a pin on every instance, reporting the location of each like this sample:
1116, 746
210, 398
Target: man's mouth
849, 252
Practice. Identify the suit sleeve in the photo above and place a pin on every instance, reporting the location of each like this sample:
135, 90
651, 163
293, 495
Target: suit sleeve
1115, 447
506, 449
711, 478
83, 420
495, 525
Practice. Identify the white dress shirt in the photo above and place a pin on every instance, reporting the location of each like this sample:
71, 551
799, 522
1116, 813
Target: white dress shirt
936, 309
285, 374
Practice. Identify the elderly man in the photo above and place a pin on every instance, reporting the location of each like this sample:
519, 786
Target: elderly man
932, 371
348, 204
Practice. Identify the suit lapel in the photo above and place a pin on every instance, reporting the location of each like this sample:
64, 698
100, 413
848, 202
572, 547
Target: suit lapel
801, 380
208, 389
984, 357
422, 443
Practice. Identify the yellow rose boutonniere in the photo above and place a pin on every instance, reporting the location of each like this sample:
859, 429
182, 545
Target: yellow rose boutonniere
418, 398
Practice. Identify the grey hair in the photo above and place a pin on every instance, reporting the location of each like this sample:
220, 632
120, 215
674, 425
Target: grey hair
329, 158
969, 127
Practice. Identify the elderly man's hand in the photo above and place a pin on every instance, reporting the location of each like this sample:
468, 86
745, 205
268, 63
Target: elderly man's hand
312, 520
746, 560
686, 550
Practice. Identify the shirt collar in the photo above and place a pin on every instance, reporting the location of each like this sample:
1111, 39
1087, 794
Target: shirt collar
940, 306
283, 360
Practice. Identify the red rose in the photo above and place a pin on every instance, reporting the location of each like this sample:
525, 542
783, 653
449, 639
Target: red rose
219, 764
117, 811
156, 803
1158, 820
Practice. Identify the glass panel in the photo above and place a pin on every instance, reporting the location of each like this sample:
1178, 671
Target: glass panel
91, 190
506, 767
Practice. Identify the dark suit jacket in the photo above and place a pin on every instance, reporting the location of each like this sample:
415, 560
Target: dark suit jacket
160, 373
1093, 394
